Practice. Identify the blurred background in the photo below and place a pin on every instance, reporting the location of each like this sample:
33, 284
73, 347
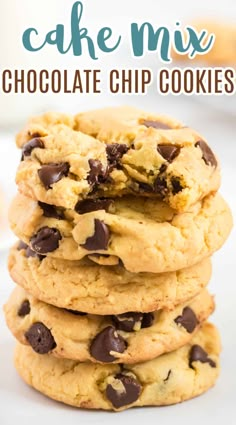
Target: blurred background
213, 116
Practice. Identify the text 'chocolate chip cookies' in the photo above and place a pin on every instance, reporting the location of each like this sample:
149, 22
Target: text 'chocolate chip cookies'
117, 215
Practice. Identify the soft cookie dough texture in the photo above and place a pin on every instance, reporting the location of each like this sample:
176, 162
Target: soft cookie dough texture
96, 289
92, 337
168, 379
113, 152
168, 241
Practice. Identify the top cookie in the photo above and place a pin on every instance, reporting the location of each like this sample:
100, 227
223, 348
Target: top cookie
113, 152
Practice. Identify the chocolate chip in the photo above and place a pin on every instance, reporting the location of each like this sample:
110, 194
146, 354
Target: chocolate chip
176, 185
115, 151
46, 240
30, 253
106, 341
168, 152
52, 173
51, 211
88, 205
146, 187
127, 321
24, 309
34, 135
75, 312
98, 173
160, 186
148, 319
100, 255
40, 338
168, 375
156, 124
100, 238
21, 245
163, 168
32, 144
188, 319
207, 154
198, 354
132, 321
129, 394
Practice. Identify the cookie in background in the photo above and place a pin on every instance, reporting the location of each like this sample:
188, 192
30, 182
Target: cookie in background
223, 52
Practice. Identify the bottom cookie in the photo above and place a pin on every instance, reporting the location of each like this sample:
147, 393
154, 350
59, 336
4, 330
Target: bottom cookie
168, 379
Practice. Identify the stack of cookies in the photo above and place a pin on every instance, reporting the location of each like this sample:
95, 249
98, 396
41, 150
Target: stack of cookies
118, 215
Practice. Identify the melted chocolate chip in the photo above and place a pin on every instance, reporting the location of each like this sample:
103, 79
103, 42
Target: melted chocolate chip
32, 144
51, 211
88, 205
188, 319
128, 321
148, 319
131, 391
160, 186
40, 338
146, 187
168, 152
24, 309
100, 255
115, 152
207, 154
34, 135
21, 245
97, 172
168, 375
197, 354
76, 313
163, 168
156, 124
100, 238
46, 240
176, 186
106, 341
30, 253
53, 173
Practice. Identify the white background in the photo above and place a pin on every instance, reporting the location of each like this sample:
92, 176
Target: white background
18, 402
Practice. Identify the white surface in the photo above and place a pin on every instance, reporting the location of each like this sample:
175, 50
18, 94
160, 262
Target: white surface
24, 405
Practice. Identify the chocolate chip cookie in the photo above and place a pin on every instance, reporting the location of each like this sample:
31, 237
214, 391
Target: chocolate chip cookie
145, 234
114, 152
168, 379
88, 287
131, 337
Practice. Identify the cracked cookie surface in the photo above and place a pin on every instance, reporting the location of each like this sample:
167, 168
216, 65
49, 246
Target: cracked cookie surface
145, 234
88, 287
114, 152
168, 379
86, 337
